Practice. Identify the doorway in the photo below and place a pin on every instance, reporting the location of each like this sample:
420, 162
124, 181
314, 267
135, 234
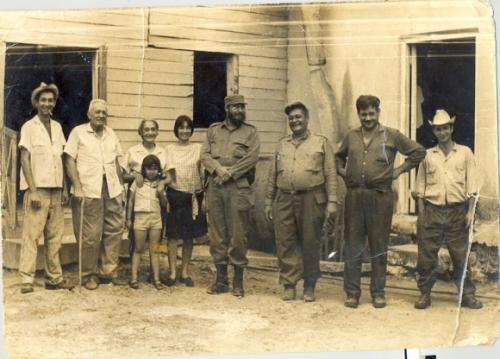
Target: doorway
445, 79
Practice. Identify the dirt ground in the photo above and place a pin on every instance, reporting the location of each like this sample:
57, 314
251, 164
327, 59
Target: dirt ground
117, 321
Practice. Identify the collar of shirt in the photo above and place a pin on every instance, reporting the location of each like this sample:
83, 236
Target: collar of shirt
39, 122
438, 150
298, 140
227, 124
156, 150
380, 128
91, 130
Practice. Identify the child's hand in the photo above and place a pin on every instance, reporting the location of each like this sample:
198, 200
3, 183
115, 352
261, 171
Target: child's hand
128, 224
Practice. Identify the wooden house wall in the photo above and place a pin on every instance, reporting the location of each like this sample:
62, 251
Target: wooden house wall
149, 69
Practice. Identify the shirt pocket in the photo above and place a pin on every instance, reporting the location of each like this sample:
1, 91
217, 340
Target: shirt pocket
430, 175
40, 147
386, 154
314, 162
240, 149
459, 174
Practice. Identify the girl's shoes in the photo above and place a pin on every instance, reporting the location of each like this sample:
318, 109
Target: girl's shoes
168, 281
133, 284
187, 281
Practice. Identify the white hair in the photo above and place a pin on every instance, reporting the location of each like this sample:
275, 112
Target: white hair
95, 102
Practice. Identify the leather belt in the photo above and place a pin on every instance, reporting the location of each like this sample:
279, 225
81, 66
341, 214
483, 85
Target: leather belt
302, 191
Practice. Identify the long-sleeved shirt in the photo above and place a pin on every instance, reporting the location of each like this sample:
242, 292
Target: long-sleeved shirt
301, 164
445, 180
372, 165
236, 148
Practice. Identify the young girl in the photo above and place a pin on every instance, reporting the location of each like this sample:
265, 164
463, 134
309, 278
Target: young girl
145, 202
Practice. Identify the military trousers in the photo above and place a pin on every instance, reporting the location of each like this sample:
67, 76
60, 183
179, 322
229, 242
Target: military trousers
42, 224
103, 224
367, 215
298, 220
443, 226
228, 214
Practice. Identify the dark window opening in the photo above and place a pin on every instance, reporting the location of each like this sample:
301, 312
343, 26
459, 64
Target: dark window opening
446, 77
210, 87
26, 66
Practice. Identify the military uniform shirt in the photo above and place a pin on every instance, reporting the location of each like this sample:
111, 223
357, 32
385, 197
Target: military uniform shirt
236, 148
301, 164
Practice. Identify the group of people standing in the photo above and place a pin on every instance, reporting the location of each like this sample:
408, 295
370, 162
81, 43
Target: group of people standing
301, 196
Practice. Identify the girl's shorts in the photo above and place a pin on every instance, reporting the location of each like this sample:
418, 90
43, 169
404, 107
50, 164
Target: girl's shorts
144, 221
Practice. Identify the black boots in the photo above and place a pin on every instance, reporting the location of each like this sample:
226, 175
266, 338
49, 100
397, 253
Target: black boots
238, 290
309, 285
220, 284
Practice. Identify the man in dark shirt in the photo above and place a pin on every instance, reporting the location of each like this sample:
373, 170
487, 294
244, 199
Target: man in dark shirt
365, 160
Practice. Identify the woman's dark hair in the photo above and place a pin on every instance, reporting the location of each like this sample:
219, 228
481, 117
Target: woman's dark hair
143, 122
179, 121
149, 161
365, 101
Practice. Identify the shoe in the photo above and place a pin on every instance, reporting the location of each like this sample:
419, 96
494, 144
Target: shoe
424, 301
158, 285
309, 286
118, 281
470, 301
220, 285
378, 301
187, 281
352, 301
238, 290
167, 281
104, 280
64, 284
289, 293
92, 283
133, 284
26, 288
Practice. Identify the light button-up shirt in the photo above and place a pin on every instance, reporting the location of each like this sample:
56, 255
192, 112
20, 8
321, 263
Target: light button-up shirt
95, 158
446, 180
45, 153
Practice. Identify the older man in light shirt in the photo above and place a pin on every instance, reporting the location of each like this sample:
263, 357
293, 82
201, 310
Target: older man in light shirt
92, 154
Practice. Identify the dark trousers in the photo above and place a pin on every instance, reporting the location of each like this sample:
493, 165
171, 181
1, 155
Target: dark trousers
298, 220
368, 213
439, 226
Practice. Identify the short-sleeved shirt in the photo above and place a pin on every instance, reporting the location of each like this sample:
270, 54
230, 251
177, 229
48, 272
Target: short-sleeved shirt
236, 148
301, 164
372, 165
445, 180
146, 199
95, 159
45, 152
184, 160
136, 154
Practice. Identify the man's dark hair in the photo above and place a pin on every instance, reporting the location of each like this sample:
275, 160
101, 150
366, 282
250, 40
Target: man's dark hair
181, 120
365, 101
143, 122
297, 105
149, 161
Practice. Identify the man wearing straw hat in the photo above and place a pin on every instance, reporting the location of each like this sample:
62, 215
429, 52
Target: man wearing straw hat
42, 179
230, 154
447, 189
92, 154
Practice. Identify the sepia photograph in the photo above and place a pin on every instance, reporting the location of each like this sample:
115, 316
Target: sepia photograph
249, 178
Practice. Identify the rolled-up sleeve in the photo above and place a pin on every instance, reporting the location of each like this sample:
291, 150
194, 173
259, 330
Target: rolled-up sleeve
415, 153
71, 147
473, 186
421, 180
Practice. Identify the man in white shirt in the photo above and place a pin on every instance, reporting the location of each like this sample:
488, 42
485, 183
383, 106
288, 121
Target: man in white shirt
447, 184
91, 160
42, 179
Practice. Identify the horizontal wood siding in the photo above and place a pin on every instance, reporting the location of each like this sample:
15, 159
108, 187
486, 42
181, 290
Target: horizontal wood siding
257, 37
149, 71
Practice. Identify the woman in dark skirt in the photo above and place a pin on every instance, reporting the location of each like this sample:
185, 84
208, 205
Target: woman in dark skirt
186, 219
